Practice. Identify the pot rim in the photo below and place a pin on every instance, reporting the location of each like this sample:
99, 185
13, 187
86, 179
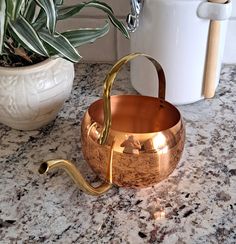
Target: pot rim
180, 120
34, 67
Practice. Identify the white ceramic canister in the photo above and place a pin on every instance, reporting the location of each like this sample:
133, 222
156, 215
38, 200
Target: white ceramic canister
175, 32
230, 46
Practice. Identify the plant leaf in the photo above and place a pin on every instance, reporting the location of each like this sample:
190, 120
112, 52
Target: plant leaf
40, 22
104, 7
69, 11
14, 8
27, 35
10, 8
119, 25
58, 2
3, 9
49, 8
17, 8
86, 35
30, 10
60, 45
66, 12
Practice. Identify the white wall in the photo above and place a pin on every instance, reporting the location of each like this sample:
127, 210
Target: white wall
114, 45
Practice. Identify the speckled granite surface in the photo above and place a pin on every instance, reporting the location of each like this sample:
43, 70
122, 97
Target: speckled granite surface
196, 204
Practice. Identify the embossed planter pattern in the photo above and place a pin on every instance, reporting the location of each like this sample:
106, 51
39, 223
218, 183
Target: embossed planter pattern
31, 97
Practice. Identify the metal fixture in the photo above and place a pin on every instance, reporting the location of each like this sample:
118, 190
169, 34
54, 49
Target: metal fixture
133, 17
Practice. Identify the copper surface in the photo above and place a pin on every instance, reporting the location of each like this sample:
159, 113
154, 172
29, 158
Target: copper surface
137, 114
129, 140
158, 129
109, 80
147, 133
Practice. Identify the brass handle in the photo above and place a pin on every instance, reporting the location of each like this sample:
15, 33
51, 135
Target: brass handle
68, 166
108, 82
77, 177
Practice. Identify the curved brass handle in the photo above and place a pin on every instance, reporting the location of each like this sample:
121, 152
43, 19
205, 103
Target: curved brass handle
76, 176
108, 82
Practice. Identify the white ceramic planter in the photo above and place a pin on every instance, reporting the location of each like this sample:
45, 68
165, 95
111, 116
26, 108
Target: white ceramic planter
173, 32
31, 97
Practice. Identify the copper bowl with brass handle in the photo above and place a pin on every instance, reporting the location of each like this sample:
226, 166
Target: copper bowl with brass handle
128, 140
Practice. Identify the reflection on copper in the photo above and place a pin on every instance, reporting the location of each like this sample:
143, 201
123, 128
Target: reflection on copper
131, 145
159, 141
156, 144
93, 131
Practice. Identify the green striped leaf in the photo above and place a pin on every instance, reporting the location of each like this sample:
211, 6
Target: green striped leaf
58, 2
66, 12
69, 11
3, 9
105, 8
17, 7
27, 36
119, 25
10, 8
88, 35
104, 4
49, 8
30, 10
14, 8
40, 22
60, 45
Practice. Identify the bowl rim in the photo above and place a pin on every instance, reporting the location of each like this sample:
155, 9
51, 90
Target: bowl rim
133, 95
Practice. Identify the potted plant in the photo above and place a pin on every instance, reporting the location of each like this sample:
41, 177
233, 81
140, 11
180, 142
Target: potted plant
36, 61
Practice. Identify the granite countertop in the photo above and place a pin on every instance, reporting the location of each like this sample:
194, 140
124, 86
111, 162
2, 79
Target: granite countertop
196, 204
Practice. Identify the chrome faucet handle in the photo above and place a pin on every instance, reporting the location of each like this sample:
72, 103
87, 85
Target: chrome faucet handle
133, 17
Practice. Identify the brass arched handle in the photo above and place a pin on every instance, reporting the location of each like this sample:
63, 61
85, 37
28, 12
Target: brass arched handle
108, 82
